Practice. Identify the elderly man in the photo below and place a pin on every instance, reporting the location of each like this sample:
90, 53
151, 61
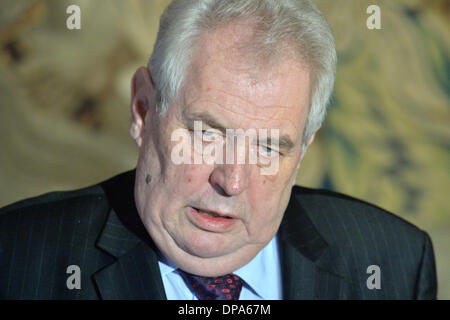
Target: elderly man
221, 229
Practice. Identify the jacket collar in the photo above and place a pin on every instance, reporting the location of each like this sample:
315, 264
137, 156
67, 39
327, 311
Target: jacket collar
135, 272
311, 268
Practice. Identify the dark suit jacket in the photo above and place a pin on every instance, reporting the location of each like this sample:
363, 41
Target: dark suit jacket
327, 241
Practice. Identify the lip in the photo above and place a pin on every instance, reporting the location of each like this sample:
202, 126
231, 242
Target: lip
208, 223
223, 215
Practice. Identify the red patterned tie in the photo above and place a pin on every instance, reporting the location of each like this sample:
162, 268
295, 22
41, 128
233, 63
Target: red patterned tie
227, 287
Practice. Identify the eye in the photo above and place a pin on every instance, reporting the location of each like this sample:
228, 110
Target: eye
267, 151
210, 134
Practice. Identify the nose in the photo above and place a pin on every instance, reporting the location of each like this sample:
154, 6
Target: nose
230, 179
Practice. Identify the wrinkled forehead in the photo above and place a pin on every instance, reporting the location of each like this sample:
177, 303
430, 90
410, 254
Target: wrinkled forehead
224, 87
246, 84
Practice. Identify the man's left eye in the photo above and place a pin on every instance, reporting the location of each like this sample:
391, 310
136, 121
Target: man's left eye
267, 151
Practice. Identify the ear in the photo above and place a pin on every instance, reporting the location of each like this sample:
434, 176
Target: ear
142, 100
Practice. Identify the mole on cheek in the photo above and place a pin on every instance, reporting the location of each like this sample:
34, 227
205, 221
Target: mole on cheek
189, 179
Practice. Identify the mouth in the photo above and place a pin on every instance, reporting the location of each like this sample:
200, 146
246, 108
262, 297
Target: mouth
212, 221
213, 214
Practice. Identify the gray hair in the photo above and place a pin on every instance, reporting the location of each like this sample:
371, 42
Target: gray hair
297, 22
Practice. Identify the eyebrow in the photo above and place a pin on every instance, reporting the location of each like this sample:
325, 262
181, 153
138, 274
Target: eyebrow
284, 142
189, 118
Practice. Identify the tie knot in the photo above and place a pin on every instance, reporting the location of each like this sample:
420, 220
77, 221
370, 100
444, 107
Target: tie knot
227, 287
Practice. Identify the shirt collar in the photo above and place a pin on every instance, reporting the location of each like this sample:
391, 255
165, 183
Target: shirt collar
165, 265
260, 274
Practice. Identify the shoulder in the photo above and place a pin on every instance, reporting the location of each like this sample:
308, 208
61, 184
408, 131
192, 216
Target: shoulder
52, 198
342, 218
65, 218
63, 215
363, 236
74, 202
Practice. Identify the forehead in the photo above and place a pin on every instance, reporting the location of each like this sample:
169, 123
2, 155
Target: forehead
227, 85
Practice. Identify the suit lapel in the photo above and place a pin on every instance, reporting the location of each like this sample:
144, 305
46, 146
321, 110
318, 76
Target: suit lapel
135, 272
311, 268
133, 276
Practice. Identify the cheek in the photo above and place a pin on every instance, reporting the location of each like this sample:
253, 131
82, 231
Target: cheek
168, 178
264, 207
269, 199
186, 179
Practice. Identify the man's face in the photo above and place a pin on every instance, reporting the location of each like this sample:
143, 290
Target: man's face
218, 90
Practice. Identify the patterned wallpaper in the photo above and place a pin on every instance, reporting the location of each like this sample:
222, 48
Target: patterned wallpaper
65, 101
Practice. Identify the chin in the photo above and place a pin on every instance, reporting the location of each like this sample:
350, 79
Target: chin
208, 245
